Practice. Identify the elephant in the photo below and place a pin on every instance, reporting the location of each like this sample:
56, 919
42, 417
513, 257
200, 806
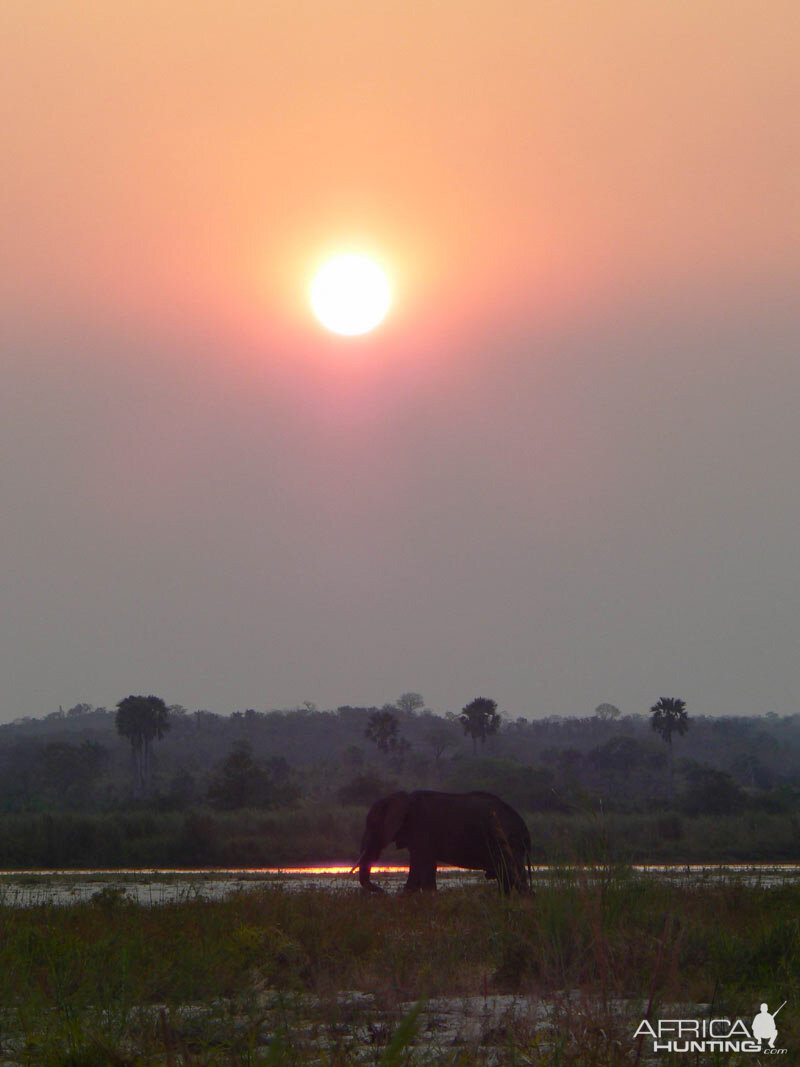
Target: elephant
478, 831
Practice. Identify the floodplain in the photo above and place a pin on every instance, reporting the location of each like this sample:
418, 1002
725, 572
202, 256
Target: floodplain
249, 972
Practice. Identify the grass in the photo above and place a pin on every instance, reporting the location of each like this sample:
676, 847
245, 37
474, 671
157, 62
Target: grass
320, 832
274, 977
196, 838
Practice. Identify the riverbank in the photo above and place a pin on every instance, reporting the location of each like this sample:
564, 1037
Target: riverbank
270, 976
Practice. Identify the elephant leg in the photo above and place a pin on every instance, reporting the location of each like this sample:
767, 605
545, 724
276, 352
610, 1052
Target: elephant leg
414, 880
421, 872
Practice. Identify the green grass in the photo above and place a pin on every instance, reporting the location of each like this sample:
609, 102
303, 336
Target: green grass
258, 978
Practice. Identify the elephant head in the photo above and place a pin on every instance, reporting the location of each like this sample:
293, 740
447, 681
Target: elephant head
384, 821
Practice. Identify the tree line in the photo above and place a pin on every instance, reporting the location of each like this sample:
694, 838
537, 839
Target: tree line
145, 752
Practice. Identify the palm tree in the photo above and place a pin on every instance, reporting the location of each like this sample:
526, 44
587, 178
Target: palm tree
669, 717
381, 729
142, 720
480, 719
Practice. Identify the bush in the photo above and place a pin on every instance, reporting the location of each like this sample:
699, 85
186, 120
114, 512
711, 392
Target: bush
670, 827
365, 789
199, 840
524, 787
711, 792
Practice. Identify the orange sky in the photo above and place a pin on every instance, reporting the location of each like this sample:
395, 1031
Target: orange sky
562, 472
193, 159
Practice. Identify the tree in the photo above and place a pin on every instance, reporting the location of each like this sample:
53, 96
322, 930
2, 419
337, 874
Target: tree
242, 782
381, 729
568, 760
69, 771
408, 703
479, 719
752, 772
364, 789
711, 792
399, 754
239, 782
606, 712
79, 709
354, 758
619, 756
142, 720
669, 717
439, 737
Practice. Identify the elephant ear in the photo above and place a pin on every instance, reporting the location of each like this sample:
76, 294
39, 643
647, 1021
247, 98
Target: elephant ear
397, 806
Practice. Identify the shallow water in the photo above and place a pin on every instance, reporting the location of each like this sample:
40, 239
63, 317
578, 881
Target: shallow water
478, 1027
151, 887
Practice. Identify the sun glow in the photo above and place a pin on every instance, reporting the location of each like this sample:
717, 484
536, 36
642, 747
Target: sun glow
350, 295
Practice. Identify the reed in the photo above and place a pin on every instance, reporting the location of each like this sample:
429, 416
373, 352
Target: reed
317, 833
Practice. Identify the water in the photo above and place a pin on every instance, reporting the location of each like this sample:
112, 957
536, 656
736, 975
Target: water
152, 887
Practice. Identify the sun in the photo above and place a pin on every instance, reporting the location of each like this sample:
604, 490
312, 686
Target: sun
350, 295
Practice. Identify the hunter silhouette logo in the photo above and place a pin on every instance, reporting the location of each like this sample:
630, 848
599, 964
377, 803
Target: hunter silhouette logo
764, 1028
714, 1035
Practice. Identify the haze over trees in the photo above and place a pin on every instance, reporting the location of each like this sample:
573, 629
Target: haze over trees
310, 767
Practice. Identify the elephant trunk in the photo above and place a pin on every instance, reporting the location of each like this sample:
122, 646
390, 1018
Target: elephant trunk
365, 862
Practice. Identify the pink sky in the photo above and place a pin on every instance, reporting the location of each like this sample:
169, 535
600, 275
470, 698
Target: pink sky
561, 473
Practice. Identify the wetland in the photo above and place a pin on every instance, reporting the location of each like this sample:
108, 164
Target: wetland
298, 966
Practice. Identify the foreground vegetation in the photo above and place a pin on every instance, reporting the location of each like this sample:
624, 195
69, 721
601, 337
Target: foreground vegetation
280, 977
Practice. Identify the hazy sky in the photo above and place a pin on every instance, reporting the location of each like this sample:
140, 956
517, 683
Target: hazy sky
564, 471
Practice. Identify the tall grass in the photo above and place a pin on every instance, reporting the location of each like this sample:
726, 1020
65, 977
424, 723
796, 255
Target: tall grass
320, 833
198, 838
262, 974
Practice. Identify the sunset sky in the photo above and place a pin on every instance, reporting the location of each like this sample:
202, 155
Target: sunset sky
564, 469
